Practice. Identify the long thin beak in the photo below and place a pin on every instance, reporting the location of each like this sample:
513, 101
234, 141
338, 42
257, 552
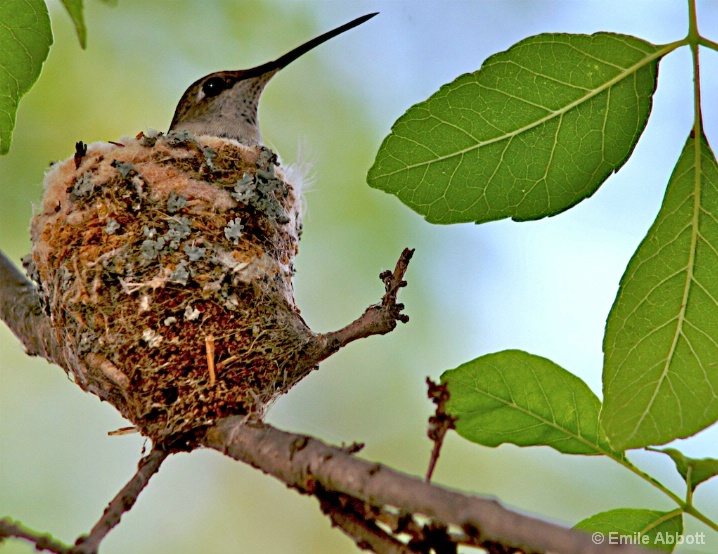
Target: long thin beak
289, 57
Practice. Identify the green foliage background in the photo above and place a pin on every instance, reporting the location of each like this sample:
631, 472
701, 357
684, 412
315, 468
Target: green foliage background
545, 287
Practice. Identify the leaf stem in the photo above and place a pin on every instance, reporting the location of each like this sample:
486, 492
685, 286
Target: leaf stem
693, 39
703, 41
665, 517
693, 33
686, 507
625, 462
689, 485
692, 510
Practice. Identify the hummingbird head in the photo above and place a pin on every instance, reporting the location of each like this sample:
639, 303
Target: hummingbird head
224, 104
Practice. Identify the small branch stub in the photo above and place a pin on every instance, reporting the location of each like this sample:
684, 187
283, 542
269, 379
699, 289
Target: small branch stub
440, 423
393, 281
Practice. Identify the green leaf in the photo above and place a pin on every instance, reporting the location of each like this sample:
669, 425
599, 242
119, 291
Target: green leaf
516, 397
25, 39
536, 130
694, 471
660, 377
74, 8
647, 528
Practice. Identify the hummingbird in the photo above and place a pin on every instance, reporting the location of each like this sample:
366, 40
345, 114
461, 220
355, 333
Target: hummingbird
224, 104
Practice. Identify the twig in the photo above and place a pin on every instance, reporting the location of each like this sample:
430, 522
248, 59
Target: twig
306, 463
123, 502
378, 319
209, 349
42, 542
439, 424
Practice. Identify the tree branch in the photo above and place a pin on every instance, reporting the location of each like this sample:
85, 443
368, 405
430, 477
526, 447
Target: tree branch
307, 464
123, 502
21, 309
41, 541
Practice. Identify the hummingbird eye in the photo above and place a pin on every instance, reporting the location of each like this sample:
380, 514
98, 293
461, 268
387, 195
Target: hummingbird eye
213, 86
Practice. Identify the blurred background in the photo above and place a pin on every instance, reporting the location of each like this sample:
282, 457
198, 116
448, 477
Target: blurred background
545, 287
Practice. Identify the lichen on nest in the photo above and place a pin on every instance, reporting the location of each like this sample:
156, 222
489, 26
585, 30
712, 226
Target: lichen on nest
166, 264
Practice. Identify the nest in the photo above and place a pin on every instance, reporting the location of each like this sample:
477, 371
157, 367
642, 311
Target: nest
166, 265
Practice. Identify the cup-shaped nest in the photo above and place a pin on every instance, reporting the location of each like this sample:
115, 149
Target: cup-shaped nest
166, 264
